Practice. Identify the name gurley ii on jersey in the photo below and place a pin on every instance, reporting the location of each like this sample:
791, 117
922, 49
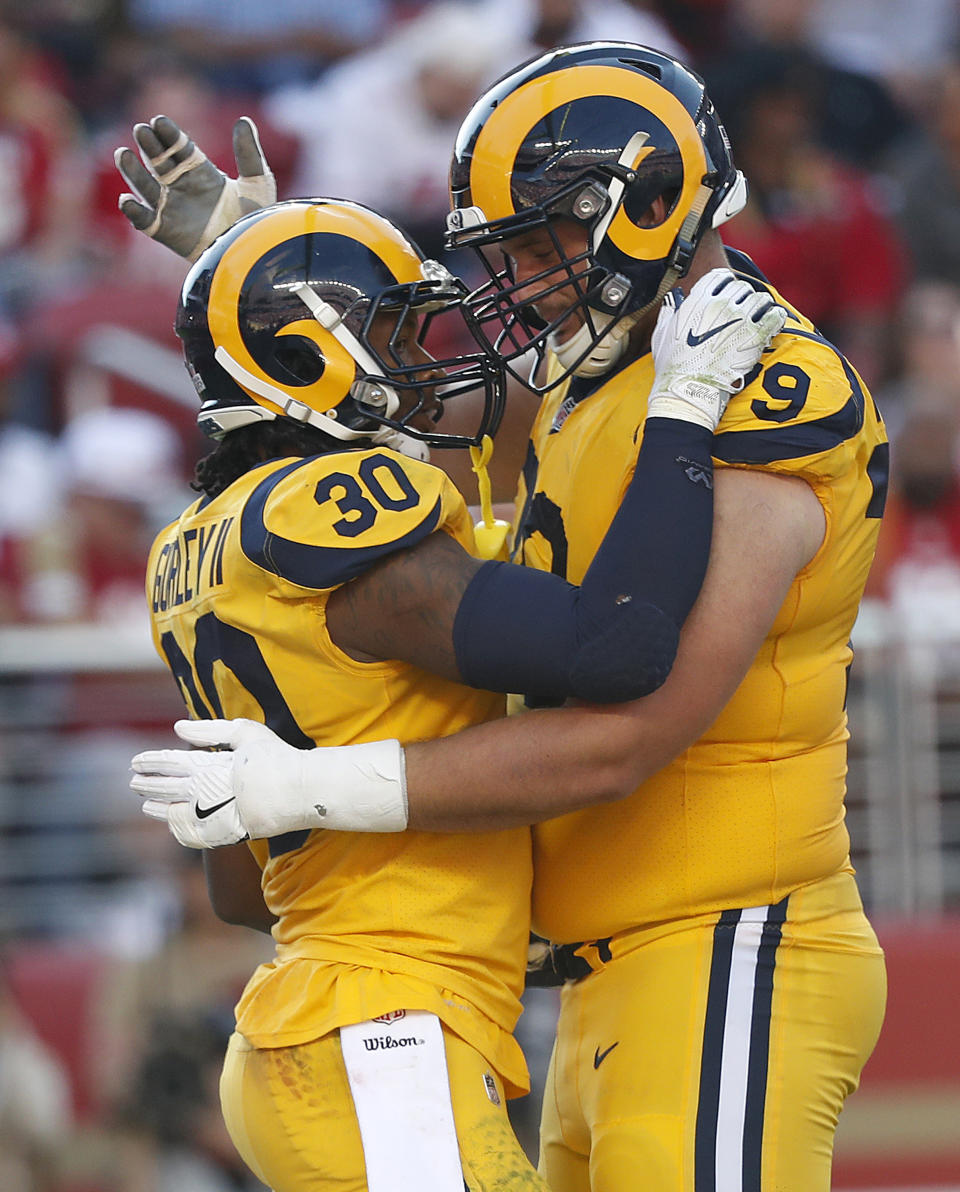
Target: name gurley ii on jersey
433, 922
189, 566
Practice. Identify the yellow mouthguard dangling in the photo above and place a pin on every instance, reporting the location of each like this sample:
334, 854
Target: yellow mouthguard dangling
491, 532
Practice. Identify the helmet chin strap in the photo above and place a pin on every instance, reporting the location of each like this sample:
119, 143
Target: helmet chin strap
406, 445
588, 354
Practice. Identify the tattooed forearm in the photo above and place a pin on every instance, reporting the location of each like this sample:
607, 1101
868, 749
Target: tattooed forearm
405, 606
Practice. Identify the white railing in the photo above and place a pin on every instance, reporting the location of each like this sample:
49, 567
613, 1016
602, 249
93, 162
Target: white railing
75, 702
904, 779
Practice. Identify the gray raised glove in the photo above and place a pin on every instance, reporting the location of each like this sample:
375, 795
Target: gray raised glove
705, 344
256, 786
186, 200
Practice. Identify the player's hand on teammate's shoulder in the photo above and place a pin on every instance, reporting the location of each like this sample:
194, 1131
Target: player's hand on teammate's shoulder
181, 198
704, 345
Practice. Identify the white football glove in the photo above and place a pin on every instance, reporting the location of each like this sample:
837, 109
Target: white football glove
705, 344
187, 200
257, 786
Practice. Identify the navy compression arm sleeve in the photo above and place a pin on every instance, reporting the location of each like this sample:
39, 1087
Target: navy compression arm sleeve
615, 637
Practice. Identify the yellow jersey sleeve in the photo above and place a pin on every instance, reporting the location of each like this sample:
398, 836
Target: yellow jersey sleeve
319, 522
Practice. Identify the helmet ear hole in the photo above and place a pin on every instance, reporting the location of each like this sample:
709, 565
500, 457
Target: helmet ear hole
300, 359
639, 204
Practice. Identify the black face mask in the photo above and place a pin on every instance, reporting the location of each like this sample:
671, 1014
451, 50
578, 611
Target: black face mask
925, 490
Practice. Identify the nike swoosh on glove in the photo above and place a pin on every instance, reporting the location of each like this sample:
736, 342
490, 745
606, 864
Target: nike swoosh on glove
255, 785
705, 344
192, 792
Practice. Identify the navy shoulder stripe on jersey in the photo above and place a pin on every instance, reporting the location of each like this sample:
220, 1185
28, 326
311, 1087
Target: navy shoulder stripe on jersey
780, 442
742, 263
315, 566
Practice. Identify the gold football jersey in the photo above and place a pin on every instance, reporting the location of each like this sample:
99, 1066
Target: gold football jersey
238, 590
755, 808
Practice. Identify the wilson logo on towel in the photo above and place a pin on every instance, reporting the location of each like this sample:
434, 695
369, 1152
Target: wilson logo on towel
387, 1042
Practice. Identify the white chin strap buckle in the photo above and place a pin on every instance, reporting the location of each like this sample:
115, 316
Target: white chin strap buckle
406, 445
603, 355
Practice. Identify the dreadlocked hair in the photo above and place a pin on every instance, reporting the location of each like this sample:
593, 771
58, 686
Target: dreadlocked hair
249, 446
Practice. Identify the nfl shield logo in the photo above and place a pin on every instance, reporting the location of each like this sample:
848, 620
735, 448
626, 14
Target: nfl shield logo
390, 1016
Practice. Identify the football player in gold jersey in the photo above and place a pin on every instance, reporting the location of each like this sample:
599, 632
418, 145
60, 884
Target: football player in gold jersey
376, 1051
723, 987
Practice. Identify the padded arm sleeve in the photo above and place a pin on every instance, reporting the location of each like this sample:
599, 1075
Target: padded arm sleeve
615, 637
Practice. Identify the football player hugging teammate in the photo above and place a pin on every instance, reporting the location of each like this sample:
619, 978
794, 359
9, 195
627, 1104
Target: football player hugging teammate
695, 523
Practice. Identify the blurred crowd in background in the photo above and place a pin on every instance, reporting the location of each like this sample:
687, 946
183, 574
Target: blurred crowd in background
845, 116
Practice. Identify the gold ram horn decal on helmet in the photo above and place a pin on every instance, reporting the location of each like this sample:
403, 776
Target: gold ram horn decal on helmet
511, 121
223, 321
